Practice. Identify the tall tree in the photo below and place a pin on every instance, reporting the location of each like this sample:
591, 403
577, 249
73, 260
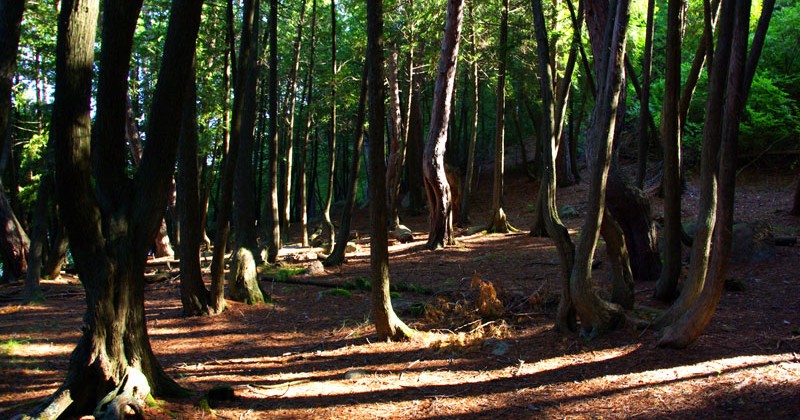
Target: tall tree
387, 323
272, 216
436, 186
288, 148
194, 295
14, 244
302, 190
397, 145
671, 140
229, 163
499, 222
644, 105
739, 76
326, 212
555, 228
466, 191
111, 231
337, 254
595, 313
244, 193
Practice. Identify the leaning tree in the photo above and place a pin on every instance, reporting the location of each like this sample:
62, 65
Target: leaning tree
112, 218
436, 186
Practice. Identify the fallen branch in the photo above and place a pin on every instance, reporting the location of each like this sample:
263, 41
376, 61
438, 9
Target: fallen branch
399, 287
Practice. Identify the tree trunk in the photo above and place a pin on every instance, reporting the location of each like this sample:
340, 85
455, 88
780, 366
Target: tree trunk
57, 251
194, 295
10, 23
288, 151
337, 255
499, 222
565, 319
397, 147
229, 163
41, 218
416, 188
302, 188
596, 314
387, 324
644, 101
739, 77
466, 192
667, 285
436, 186
272, 217
244, 121
709, 167
711, 13
14, 242
109, 247
326, 213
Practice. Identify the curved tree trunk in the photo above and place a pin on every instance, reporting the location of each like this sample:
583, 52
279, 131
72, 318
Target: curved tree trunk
109, 247
739, 78
387, 324
337, 255
499, 222
14, 242
436, 187
41, 218
712, 138
596, 314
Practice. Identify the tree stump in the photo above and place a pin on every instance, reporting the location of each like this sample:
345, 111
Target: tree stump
242, 280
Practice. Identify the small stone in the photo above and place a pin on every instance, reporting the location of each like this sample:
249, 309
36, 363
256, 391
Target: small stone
350, 247
355, 374
316, 269
402, 233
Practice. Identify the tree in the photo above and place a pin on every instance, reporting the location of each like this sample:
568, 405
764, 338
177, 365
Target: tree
337, 254
463, 218
244, 122
109, 232
326, 212
194, 295
302, 189
387, 323
731, 77
499, 222
397, 145
595, 313
272, 217
14, 244
671, 139
436, 187
644, 102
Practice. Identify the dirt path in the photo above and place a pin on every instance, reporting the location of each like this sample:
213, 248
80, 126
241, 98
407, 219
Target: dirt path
312, 354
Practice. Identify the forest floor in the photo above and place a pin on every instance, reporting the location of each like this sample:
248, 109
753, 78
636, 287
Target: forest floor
313, 353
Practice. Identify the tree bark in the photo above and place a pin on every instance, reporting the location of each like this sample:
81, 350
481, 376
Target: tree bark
397, 147
326, 212
272, 217
499, 222
596, 314
466, 191
436, 187
110, 247
302, 188
337, 255
416, 186
644, 99
194, 295
667, 285
387, 324
244, 121
288, 150
686, 330
712, 138
565, 318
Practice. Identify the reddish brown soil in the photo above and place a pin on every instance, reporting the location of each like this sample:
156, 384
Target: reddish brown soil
288, 359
